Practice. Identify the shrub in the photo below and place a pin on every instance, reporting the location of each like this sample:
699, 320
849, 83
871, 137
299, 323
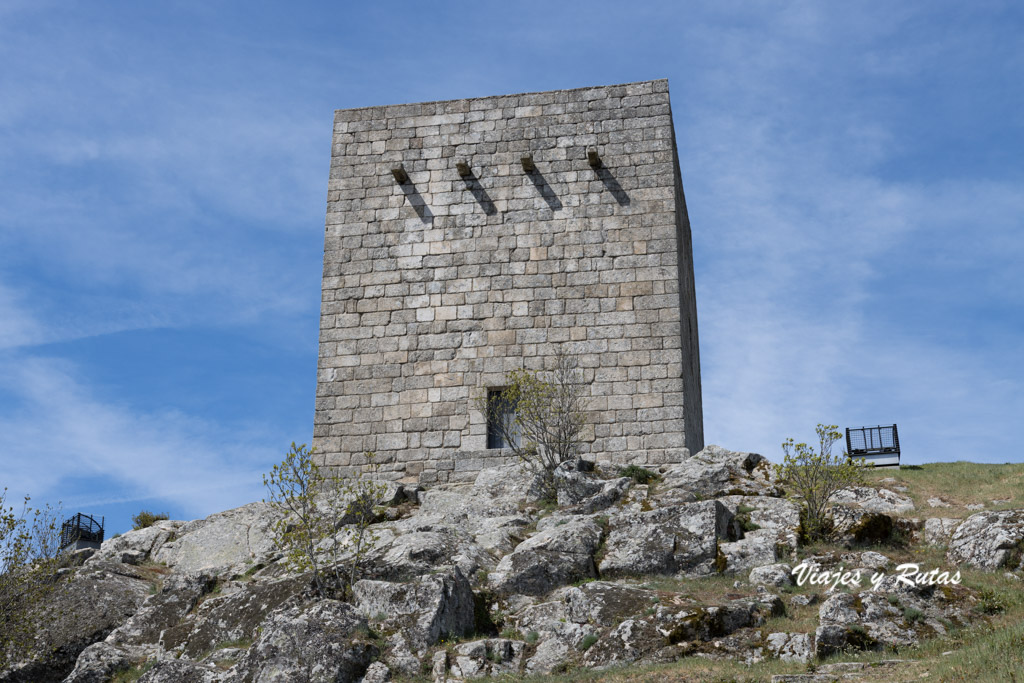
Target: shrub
548, 417
145, 519
913, 615
29, 558
814, 477
311, 505
989, 602
587, 641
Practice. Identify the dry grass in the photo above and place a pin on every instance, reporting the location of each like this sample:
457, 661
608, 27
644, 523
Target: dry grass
706, 590
960, 484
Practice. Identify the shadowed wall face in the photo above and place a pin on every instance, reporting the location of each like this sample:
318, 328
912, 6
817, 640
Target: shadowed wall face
450, 260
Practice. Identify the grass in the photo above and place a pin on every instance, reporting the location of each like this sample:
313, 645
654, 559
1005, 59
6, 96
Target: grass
132, 674
959, 484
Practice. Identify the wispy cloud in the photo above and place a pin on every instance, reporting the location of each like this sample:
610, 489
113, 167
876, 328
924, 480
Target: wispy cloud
59, 431
831, 288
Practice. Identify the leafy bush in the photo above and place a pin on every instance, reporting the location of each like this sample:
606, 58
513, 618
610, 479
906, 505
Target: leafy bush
548, 416
29, 558
814, 477
145, 519
312, 504
989, 602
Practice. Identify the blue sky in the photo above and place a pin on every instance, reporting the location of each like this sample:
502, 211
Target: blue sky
852, 172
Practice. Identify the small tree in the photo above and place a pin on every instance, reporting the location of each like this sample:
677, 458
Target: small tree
815, 477
313, 505
548, 416
29, 559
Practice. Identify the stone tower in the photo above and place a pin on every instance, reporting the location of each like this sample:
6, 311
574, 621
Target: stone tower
468, 238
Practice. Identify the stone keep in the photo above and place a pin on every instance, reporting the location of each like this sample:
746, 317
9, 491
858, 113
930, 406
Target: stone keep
468, 238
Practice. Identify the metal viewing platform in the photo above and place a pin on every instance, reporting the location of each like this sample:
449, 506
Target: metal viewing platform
81, 531
878, 446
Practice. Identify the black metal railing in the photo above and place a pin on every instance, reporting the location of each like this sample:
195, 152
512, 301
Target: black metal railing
81, 528
880, 440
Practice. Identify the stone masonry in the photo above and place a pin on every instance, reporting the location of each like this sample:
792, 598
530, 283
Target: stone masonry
468, 238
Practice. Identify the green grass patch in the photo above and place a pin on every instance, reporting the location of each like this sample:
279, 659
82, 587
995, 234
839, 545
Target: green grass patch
958, 483
640, 475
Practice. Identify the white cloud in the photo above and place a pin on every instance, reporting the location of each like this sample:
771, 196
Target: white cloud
57, 431
808, 254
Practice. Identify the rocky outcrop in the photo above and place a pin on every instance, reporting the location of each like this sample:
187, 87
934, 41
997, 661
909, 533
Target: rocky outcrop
79, 612
138, 545
874, 500
789, 647
715, 472
491, 657
669, 540
434, 606
895, 615
580, 488
772, 575
181, 671
989, 540
604, 603
938, 530
612, 576
325, 641
560, 554
176, 598
98, 663
233, 615
228, 542
421, 546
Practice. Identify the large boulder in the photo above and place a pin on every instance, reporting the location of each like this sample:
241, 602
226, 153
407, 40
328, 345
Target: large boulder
716, 472
989, 540
558, 636
513, 483
694, 622
938, 530
491, 657
580, 487
420, 547
630, 641
228, 542
98, 663
772, 575
669, 540
494, 523
765, 517
180, 671
874, 500
605, 604
138, 543
789, 647
768, 530
561, 554
432, 607
328, 641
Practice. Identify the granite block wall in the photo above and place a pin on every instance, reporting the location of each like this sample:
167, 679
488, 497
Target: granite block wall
449, 261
